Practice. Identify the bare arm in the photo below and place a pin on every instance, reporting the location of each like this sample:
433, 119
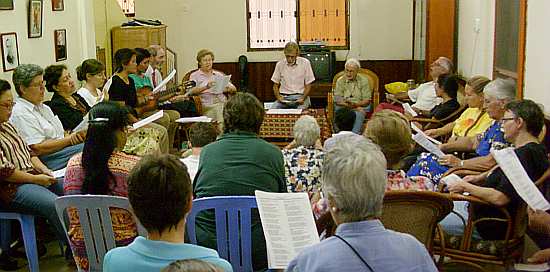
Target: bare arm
490, 195
50, 146
19, 176
461, 144
307, 89
39, 166
276, 87
444, 130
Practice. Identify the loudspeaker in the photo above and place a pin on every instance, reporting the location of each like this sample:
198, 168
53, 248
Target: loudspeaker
322, 63
243, 69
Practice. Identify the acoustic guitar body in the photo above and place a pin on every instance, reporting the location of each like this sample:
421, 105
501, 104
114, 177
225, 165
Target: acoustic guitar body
151, 105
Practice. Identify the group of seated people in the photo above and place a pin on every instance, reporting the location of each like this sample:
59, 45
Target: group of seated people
346, 176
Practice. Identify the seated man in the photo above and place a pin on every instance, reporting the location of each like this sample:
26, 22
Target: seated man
159, 190
36, 123
424, 96
200, 134
292, 79
354, 92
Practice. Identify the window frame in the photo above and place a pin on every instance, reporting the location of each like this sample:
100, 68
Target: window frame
249, 49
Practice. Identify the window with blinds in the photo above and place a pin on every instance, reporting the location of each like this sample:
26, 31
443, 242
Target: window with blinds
273, 23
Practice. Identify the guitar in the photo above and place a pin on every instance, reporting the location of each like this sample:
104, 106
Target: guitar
152, 104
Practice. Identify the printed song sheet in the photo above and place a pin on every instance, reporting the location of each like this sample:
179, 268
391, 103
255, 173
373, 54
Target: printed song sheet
408, 109
526, 188
164, 82
288, 225
284, 111
428, 145
59, 173
198, 119
221, 83
83, 125
148, 120
532, 267
417, 130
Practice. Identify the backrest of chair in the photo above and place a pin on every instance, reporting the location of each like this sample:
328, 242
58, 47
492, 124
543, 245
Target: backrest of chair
95, 221
373, 82
233, 227
450, 118
416, 213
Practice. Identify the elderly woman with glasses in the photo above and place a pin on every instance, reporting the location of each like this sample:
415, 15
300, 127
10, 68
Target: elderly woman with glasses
41, 129
354, 182
522, 123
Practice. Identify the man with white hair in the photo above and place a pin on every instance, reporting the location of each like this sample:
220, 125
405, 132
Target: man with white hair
353, 91
157, 60
423, 96
354, 182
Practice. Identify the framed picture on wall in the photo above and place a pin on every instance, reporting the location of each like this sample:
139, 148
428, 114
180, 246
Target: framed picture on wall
10, 51
60, 42
35, 18
6, 4
58, 5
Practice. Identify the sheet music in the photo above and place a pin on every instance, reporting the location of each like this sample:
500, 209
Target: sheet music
532, 267
59, 173
83, 124
408, 109
199, 119
428, 145
165, 81
418, 130
514, 171
284, 111
148, 120
451, 179
221, 83
288, 225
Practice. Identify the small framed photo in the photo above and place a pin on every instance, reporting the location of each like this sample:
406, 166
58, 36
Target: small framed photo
35, 18
60, 42
10, 51
58, 5
6, 4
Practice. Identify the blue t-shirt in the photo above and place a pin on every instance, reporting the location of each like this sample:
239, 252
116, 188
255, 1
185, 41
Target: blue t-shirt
144, 255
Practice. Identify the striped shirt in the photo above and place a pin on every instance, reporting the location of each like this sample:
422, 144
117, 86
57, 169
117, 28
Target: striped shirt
14, 154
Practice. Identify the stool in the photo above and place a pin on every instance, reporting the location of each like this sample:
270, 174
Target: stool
29, 235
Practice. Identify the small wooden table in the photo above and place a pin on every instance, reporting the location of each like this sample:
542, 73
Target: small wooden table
277, 128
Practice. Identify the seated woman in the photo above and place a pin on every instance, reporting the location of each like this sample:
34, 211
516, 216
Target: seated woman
522, 124
304, 160
69, 107
92, 73
39, 127
446, 88
238, 163
27, 184
101, 169
497, 94
354, 179
160, 193
121, 89
205, 77
391, 131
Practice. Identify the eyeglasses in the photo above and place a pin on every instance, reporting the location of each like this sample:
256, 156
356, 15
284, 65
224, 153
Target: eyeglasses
508, 119
39, 85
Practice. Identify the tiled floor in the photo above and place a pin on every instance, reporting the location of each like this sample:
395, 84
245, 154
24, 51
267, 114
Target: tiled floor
52, 262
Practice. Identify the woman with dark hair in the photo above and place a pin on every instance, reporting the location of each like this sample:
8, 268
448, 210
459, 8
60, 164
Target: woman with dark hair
65, 103
27, 185
238, 163
446, 88
101, 169
92, 72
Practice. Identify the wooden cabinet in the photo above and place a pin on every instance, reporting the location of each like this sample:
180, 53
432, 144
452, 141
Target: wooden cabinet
138, 36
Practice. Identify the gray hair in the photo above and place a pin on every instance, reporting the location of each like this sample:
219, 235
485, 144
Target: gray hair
354, 178
154, 49
501, 89
447, 64
354, 62
306, 131
24, 74
291, 47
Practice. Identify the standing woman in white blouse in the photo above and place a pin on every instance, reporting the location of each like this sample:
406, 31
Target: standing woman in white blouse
92, 72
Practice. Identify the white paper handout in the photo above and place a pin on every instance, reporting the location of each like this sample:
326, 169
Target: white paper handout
532, 267
451, 179
221, 83
83, 125
284, 111
164, 82
423, 141
418, 130
148, 120
288, 225
199, 119
59, 173
408, 109
524, 186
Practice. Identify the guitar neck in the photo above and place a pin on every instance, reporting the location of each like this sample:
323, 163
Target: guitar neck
167, 92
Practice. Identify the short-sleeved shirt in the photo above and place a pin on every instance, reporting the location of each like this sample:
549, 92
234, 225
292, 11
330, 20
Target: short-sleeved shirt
534, 160
355, 90
424, 96
91, 100
69, 115
472, 121
14, 154
120, 91
208, 97
155, 76
35, 123
141, 82
293, 78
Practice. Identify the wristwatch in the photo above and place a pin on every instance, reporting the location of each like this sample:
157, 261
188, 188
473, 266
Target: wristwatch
461, 163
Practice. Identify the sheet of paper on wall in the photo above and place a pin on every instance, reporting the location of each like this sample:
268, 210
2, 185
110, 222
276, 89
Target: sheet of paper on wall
83, 124
220, 83
284, 111
423, 141
148, 120
198, 119
164, 82
418, 130
288, 225
408, 109
524, 186
532, 267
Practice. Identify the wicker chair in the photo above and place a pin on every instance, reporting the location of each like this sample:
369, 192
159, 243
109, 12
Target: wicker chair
464, 249
373, 82
431, 123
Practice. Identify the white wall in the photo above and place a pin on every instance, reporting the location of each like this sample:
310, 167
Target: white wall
537, 62
378, 30
77, 19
